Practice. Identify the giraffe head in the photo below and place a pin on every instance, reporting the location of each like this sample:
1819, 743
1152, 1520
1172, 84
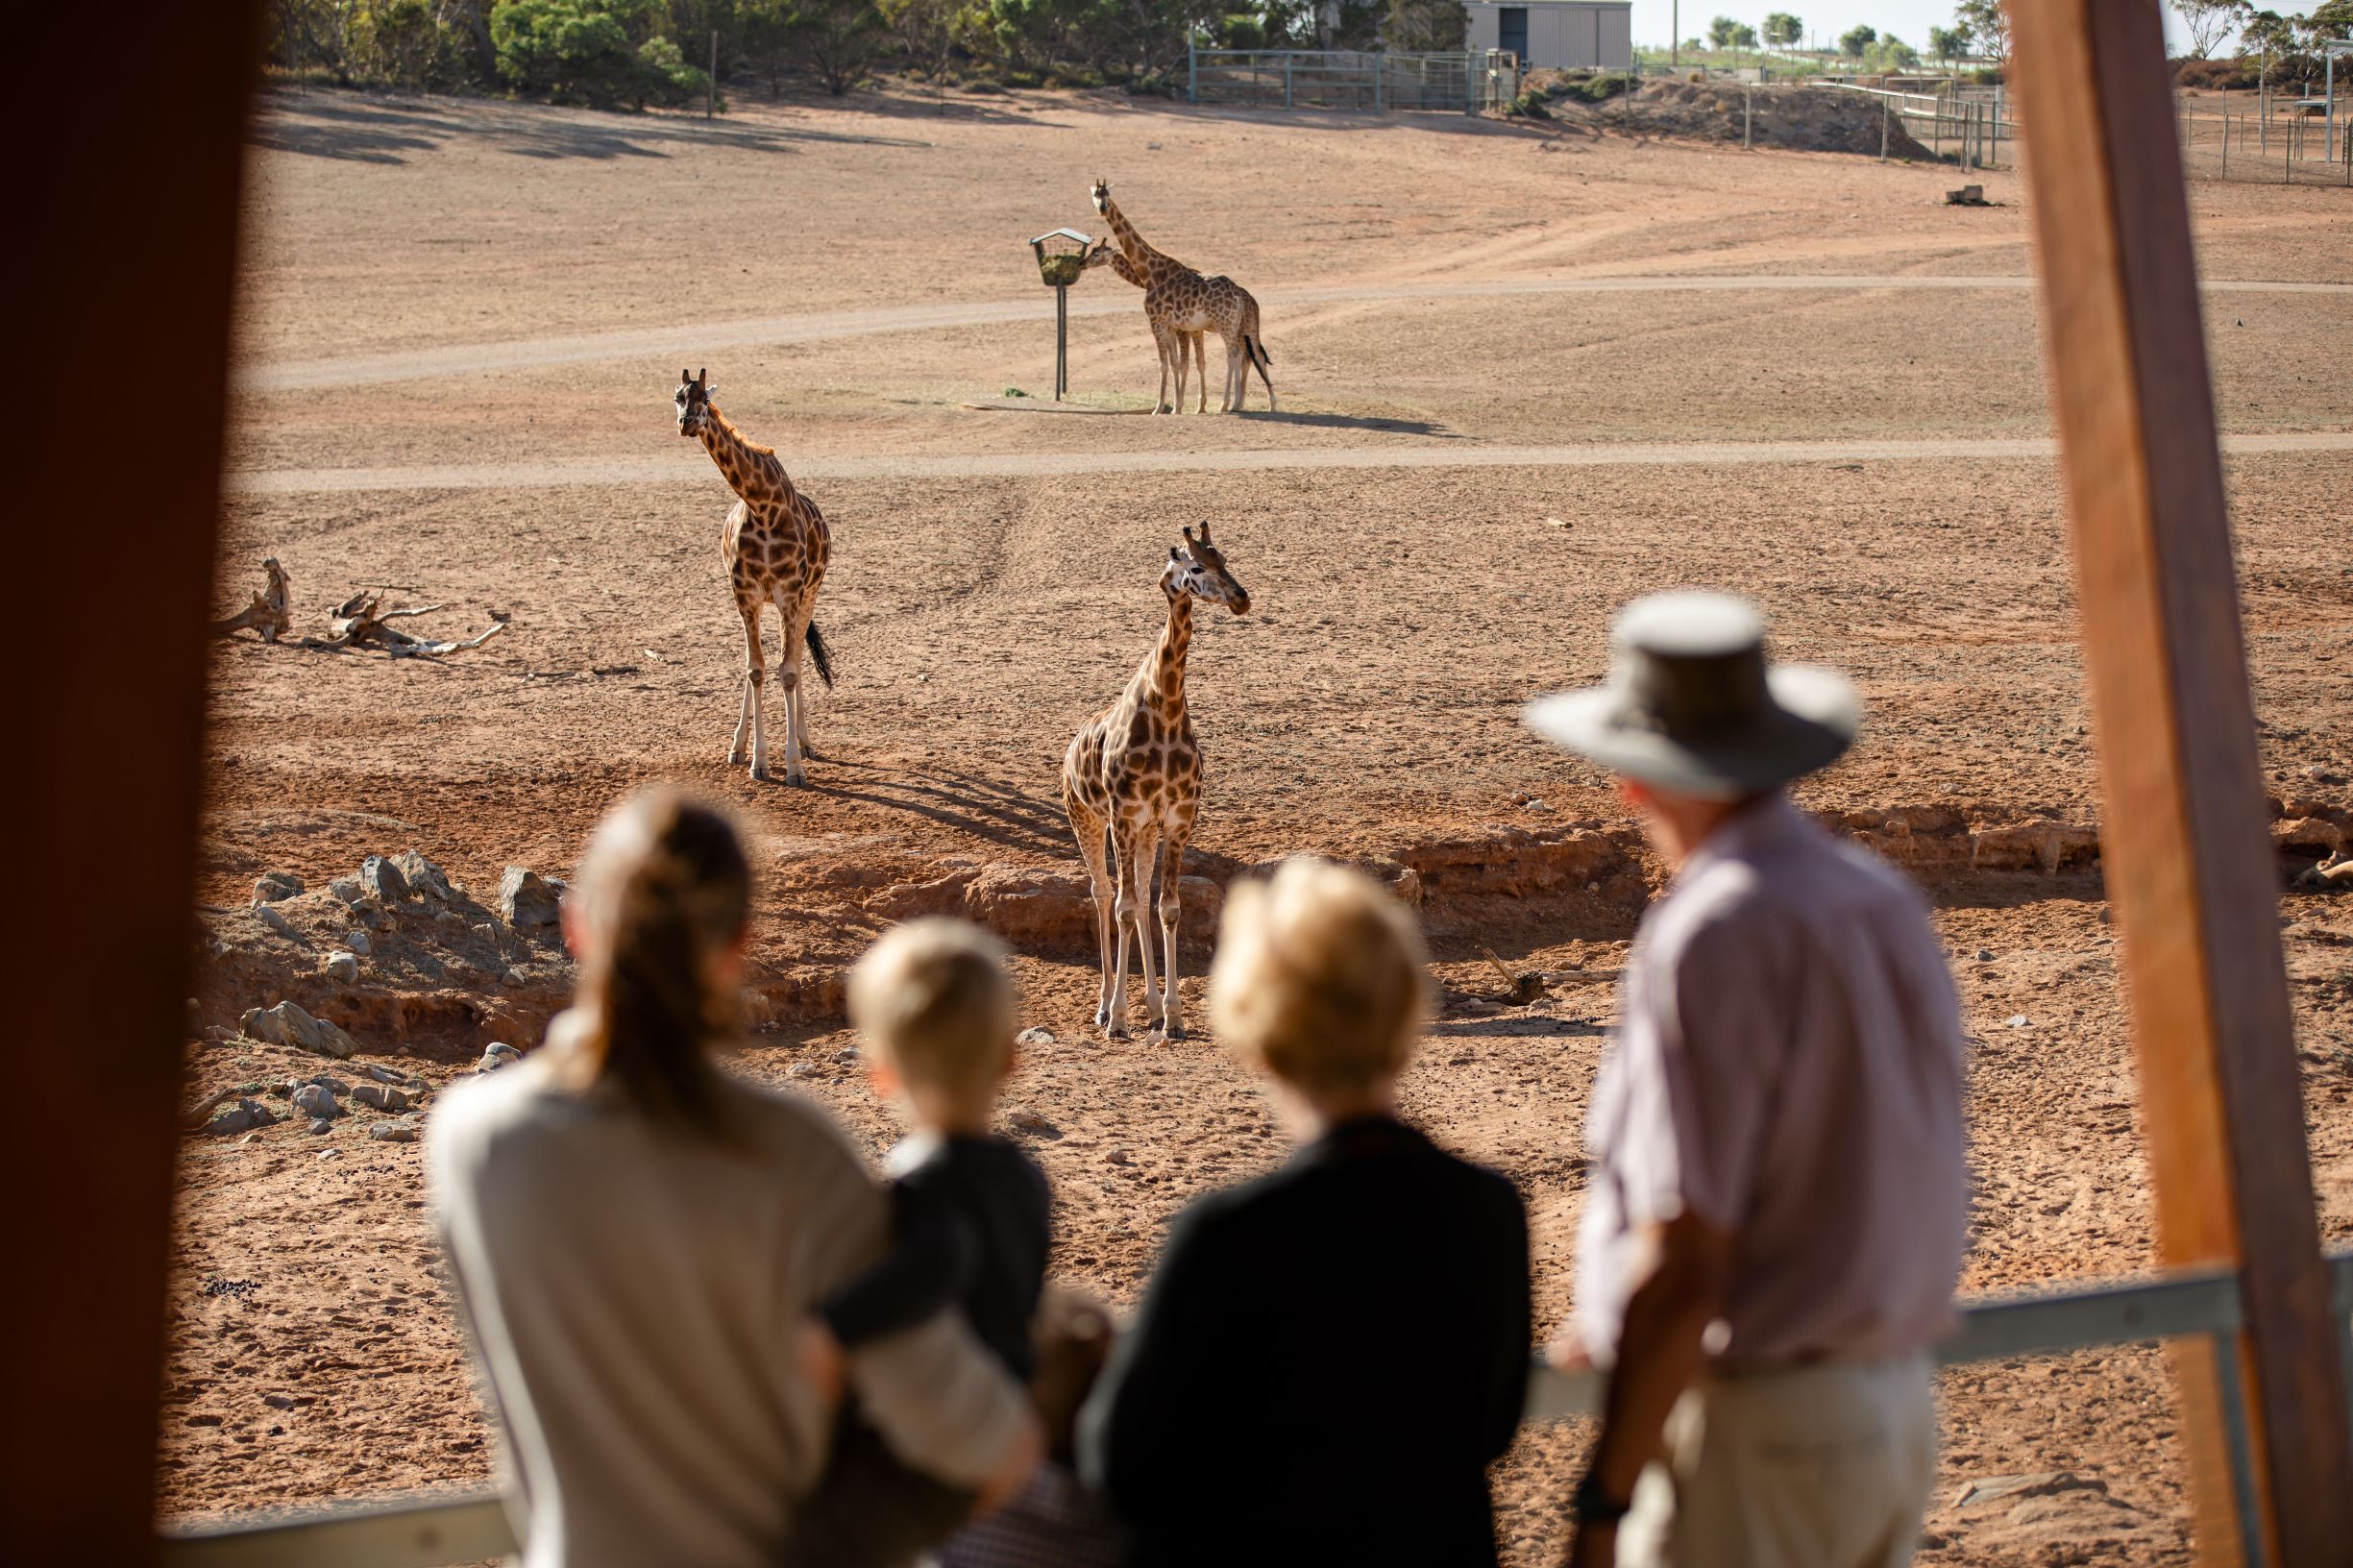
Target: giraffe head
694, 400
1098, 254
1199, 570
1100, 195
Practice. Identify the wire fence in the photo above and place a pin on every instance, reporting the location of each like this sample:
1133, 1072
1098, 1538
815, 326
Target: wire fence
2266, 139
1377, 82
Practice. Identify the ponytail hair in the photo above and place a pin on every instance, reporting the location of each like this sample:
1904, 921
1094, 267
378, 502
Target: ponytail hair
664, 893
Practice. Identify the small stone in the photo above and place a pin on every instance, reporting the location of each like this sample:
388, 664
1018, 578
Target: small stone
321, 1125
1593, 887
278, 1401
330, 1154
342, 967
317, 1101
272, 919
2016, 1020
1118, 1157
385, 1075
246, 1115
847, 1056
1034, 1036
272, 886
393, 1132
371, 913
1985, 955
347, 889
495, 1055
330, 1082
801, 1069
383, 1097
424, 876
1029, 1121
287, 1024
359, 942
382, 878
527, 899
2103, 915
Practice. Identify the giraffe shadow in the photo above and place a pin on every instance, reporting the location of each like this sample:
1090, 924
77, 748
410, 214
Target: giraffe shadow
1355, 421
999, 813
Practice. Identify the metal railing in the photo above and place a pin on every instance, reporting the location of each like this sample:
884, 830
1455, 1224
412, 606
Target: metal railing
1466, 81
1972, 123
431, 1530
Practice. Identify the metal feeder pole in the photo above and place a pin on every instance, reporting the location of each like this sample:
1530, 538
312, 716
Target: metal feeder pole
1061, 340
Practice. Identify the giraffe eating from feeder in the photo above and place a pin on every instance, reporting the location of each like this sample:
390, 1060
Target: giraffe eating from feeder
1178, 304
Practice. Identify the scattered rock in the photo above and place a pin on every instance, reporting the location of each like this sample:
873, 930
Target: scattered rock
393, 1132
278, 1401
495, 1055
385, 1075
330, 1154
1985, 955
242, 1117
383, 1097
801, 1069
1034, 1036
371, 913
287, 1024
272, 886
332, 1085
527, 899
2016, 1020
321, 1125
359, 942
1029, 1121
342, 967
847, 1056
1118, 1157
318, 1102
424, 876
382, 878
347, 889
269, 917
2042, 1483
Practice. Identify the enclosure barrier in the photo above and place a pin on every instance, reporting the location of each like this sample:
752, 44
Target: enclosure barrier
1970, 123
1466, 81
431, 1530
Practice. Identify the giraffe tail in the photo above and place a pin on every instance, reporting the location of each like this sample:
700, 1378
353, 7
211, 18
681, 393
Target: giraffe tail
1260, 357
819, 657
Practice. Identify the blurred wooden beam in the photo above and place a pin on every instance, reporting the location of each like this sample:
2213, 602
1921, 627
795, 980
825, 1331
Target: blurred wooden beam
124, 204
2189, 862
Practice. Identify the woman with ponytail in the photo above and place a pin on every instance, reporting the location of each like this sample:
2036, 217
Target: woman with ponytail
636, 1236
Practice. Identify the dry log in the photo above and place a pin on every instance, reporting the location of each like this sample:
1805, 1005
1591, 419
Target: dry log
360, 622
267, 614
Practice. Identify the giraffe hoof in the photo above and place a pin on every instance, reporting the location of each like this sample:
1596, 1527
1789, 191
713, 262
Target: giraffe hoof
795, 779
736, 759
1173, 1031
1114, 1031
759, 772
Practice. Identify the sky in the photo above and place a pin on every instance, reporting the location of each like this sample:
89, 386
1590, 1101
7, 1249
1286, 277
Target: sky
1908, 20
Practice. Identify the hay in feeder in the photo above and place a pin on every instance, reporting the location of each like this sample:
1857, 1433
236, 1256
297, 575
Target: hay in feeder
1060, 271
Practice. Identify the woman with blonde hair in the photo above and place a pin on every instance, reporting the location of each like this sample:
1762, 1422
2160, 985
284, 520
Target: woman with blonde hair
637, 1235
1328, 1358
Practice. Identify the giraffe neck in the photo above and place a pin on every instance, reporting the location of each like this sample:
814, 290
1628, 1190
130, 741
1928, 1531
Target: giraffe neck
752, 471
1131, 243
1161, 682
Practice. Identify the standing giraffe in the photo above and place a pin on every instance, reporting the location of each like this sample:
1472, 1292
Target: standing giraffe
1179, 302
1134, 773
775, 545
1108, 255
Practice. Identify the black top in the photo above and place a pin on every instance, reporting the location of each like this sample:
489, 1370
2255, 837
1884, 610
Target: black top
970, 1222
1325, 1363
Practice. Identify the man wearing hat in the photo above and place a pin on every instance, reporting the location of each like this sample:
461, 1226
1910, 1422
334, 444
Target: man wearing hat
1776, 1200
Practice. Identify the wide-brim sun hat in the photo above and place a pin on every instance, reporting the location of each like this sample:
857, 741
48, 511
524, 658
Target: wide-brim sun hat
1692, 704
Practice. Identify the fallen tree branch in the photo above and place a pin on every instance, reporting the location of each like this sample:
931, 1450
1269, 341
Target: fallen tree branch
267, 614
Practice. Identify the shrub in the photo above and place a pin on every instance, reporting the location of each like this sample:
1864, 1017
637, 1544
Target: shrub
1529, 106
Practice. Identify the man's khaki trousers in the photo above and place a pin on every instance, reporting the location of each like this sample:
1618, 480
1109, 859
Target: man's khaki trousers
1824, 1467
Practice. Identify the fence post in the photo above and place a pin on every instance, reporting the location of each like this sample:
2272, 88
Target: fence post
1381, 64
710, 93
1886, 115
1192, 81
1748, 117
1286, 81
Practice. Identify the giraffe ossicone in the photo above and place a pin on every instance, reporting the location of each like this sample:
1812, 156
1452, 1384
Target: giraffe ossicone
1131, 784
776, 546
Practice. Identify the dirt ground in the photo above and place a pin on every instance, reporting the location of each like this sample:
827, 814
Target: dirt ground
1525, 373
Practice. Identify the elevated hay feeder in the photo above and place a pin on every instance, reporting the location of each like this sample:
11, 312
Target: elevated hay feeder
1062, 261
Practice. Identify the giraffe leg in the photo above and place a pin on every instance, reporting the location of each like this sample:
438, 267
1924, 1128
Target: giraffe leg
1089, 828
1234, 378
755, 674
1171, 911
1201, 374
795, 739
1123, 850
1161, 336
1143, 859
1177, 342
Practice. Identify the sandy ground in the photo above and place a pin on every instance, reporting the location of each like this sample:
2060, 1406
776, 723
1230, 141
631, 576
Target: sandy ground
1525, 373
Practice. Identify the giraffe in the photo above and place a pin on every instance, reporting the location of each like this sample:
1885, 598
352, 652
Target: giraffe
775, 546
1133, 775
1178, 301
1108, 255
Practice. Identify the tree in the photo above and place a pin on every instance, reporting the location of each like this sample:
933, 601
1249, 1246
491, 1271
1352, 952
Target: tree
1946, 45
1857, 39
924, 31
1783, 29
1744, 36
1420, 26
1989, 24
2208, 22
1719, 32
2329, 19
835, 40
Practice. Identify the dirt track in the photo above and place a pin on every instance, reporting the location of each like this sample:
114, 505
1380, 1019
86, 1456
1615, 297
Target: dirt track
462, 326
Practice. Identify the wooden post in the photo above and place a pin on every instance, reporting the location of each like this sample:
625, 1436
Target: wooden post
1885, 116
110, 840
2187, 856
1747, 118
710, 95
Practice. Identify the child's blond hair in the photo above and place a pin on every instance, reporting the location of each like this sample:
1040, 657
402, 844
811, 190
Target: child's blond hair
933, 1000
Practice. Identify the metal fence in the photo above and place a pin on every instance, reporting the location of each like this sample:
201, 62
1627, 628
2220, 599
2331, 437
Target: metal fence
2266, 139
1970, 124
431, 1530
1465, 80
